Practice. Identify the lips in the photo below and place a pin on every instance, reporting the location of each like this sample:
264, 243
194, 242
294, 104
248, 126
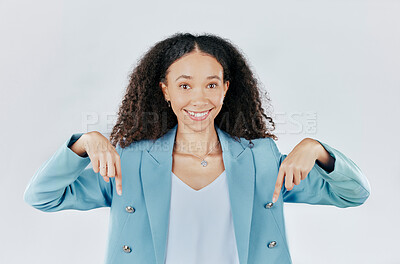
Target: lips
197, 112
198, 118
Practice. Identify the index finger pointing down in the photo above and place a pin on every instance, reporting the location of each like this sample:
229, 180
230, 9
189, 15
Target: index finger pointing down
278, 185
118, 177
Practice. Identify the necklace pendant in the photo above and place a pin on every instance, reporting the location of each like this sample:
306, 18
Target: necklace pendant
204, 163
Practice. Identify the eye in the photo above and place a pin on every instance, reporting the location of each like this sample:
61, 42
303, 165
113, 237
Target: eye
183, 85
215, 85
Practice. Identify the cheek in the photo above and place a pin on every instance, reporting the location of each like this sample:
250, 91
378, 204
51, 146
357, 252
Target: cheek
178, 102
220, 101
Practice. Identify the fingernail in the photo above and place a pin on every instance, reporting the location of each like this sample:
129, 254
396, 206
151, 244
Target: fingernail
119, 191
274, 199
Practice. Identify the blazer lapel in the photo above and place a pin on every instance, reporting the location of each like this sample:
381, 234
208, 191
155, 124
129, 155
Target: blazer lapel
240, 172
155, 175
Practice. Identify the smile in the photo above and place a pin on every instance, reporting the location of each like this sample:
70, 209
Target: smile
198, 116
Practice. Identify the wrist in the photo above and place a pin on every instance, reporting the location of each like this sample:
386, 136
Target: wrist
315, 147
84, 141
323, 158
79, 147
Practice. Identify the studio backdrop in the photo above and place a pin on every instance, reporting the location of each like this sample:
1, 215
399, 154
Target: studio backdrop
330, 69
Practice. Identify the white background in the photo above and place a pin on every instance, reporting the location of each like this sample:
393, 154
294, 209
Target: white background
339, 59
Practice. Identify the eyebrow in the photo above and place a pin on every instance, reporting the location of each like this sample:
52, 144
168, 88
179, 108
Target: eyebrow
190, 77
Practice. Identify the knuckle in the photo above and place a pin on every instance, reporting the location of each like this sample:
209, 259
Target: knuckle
101, 155
290, 166
109, 155
295, 169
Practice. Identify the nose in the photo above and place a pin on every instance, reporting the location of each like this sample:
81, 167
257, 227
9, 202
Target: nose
199, 97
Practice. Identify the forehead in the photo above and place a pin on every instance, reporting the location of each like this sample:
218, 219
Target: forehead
196, 64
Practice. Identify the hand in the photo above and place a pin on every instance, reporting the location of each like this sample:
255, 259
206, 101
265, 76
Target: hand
104, 157
296, 166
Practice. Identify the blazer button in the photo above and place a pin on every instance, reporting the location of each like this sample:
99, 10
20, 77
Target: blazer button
272, 244
130, 209
269, 205
127, 249
251, 144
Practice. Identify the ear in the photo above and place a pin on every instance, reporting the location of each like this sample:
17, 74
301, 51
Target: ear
164, 89
226, 87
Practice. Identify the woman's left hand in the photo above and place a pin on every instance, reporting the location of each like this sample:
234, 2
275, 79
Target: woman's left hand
296, 166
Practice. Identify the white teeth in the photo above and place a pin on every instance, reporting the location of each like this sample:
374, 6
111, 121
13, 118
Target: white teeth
197, 114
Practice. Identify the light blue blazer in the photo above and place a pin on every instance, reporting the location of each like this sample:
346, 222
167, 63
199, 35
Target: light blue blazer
138, 223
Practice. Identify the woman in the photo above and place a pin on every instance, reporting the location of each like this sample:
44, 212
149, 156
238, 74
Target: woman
191, 172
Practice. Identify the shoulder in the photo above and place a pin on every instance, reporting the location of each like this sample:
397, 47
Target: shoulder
137, 146
261, 143
264, 148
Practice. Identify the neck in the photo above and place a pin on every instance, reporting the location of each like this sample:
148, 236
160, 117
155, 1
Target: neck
197, 142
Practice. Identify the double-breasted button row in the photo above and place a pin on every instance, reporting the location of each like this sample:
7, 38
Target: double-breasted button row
268, 205
272, 244
130, 209
127, 249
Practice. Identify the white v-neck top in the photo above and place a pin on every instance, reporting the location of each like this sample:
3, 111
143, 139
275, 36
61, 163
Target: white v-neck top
200, 224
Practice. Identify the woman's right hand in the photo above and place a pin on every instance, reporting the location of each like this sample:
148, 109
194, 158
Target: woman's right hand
102, 154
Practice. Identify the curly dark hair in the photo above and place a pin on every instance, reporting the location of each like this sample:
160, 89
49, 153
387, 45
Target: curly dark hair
144, 113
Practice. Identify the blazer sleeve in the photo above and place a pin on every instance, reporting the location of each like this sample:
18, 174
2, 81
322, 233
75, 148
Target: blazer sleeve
63, 182
345, 186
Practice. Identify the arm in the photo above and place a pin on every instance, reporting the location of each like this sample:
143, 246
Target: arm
324, 159
62, 182
342, 184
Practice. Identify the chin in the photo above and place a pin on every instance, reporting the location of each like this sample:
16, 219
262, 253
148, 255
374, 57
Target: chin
197, 126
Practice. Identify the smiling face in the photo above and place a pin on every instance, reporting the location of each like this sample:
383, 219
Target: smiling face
196, 90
